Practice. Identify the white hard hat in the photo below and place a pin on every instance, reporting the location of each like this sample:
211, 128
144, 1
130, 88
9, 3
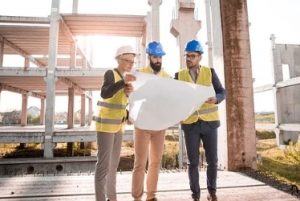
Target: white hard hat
125, 50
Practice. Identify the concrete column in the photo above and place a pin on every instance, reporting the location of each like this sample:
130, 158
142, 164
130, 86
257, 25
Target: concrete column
90, 111
278, 76
142, 51
148, 28
73, 53
1, 51
42, 112
84, 62
24, 110
185, 27
82, 116
155, 18
51, 79
209, 30
70, 119
0, 92
239, 89
26, 63
24, 115
75, 6
216, 60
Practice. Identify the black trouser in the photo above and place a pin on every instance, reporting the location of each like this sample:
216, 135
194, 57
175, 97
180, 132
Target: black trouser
207, 133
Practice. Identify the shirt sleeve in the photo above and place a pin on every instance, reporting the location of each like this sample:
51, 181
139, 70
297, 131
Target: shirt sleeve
219, 89
110, 87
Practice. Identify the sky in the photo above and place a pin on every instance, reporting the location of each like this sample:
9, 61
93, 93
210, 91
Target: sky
279, 17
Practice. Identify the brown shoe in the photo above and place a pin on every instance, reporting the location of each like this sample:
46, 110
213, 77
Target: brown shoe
152, 199
212, 196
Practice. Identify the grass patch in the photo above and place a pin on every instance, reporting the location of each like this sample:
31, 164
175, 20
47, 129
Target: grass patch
265, 134
265, 117
283, 165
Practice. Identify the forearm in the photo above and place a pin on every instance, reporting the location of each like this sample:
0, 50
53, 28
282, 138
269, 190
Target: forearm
110, 87
219, 89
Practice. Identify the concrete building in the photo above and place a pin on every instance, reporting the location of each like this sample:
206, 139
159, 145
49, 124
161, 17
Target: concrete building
56, 35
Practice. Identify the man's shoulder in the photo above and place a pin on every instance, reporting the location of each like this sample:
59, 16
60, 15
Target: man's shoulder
142, 69
165, 74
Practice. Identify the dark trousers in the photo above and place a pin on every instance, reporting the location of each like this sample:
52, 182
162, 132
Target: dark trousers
194, 134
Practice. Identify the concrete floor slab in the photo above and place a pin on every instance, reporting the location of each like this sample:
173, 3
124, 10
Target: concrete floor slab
173, 185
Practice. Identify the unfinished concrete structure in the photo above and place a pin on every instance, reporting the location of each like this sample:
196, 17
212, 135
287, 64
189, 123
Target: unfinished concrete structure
58, 36
286, 58
286, 91
55, 37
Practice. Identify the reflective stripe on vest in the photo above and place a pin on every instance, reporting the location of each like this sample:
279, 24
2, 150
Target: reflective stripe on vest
112, 111
111, 105
107, 121
205, 111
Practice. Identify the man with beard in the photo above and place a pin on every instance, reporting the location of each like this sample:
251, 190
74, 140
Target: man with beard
148, 144
203, 123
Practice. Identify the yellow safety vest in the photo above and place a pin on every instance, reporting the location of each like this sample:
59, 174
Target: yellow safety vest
149, 70
112, 111
207, 111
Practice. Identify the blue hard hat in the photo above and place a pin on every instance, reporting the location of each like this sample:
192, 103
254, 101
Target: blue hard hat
194, 46
155, 48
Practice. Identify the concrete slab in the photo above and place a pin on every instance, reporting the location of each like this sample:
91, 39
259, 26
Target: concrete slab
173, 185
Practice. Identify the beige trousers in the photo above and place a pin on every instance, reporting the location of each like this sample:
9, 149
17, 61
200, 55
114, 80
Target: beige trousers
147, 145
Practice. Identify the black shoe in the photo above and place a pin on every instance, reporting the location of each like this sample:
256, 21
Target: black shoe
196, 199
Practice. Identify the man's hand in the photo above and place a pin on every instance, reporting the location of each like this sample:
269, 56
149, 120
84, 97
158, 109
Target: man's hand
128, 89
129, 78
211, 100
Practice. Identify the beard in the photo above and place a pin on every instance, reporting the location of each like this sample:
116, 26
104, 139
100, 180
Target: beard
190, 65
155, 66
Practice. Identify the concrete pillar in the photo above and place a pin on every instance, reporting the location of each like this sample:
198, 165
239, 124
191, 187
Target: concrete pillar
26, 63
185, 27
51, 79
24, 115
90, 111
216, 60
24, 110
239, 89
42, 112
277, 74
75, 7
1, 51
208, 4
71, 93
73, 53
142, 51
155, 19
0, 92
82, 115
70, 120
84, 62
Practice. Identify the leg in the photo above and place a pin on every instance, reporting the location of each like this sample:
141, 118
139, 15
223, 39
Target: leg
192, 140
114, 163
141, 147
105, 145
210, 140
155, 156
